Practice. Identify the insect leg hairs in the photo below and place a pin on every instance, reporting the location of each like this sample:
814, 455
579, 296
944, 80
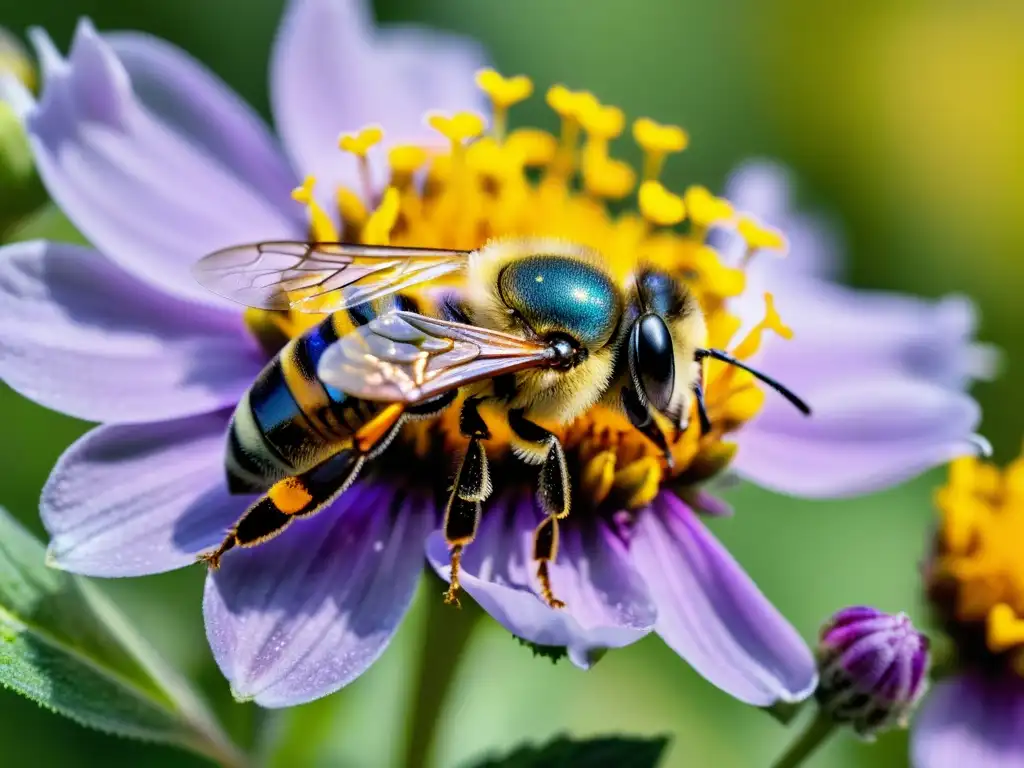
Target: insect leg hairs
471, 487
553, 493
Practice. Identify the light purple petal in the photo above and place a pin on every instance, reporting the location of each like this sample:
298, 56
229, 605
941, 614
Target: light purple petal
186, 96
146, 196
333, 72
302, 615
864, 435
764, 189
140, 499
967, 721
840, 332
607, 605
712, 614
81, 336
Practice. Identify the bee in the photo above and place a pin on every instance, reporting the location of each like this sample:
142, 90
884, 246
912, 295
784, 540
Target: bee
540, 329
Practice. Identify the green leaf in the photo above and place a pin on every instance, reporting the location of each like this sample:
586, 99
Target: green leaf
617, 751
64, 645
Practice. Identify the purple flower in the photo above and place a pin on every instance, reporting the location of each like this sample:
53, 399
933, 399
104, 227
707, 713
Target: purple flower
885, 372
873, 667
158, 163
975, 582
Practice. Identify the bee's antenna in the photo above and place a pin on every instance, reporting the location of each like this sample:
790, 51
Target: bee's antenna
725, 357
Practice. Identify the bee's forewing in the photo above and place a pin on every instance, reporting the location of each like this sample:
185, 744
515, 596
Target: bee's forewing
319, 277
404, 357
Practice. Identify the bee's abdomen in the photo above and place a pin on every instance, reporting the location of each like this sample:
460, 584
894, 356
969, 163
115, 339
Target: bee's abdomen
289, 421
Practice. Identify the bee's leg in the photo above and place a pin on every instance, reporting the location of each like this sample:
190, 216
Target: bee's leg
702, 410
639, 415
472, 485
288, 499
553, 493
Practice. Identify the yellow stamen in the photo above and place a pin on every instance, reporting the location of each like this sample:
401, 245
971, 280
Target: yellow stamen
602, 121
406, 159
504, 92
536, 147
657, 141
353, 211
322, 227
759, 237
659, 206
705, 210
459, 128
378, 227
978, 557
638, 483
771, 322
360, 144
597, 476
605, 177
570, 107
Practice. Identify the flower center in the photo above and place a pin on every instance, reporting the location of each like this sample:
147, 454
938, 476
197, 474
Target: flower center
528, 182
976, 579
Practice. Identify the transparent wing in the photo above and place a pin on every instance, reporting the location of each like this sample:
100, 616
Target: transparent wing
404, 357
319, 277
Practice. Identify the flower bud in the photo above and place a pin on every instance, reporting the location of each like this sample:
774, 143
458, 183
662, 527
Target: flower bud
873, 669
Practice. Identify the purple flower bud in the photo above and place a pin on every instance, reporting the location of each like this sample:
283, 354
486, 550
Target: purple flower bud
873, 669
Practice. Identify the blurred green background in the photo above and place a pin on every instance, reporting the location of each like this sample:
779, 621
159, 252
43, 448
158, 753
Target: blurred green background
904, 121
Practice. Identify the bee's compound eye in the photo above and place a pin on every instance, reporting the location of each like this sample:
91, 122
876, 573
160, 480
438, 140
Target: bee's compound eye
652, 359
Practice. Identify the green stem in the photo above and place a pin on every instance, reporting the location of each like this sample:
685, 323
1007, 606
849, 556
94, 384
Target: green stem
813, 736
446, 632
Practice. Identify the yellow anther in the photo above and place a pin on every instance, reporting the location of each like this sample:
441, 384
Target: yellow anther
602, 121
406, 159
323, 229
662, 139
504, 91
659, 206
771, 322
460, 127
536, 147
597, 476
657, 141
716, 279
378, 227
706, 209
639, 482
606, 178
570, 105
758, 236
350, 205
1004, 629
362, 142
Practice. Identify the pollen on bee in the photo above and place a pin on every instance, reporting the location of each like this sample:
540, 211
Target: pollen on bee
289, 495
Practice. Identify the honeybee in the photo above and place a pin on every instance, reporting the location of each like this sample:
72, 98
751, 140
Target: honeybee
541, 330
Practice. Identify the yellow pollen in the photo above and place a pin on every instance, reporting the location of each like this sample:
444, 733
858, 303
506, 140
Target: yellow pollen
406, 159
758, 236
532, 183
378, 227
459, 128
289, 495
705, 210
503, 92
359, 144
657, 141
981, 527
537, 148
322, 227
602, 121
659, 206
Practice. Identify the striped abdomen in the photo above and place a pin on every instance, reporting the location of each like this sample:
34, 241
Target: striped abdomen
289, 421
